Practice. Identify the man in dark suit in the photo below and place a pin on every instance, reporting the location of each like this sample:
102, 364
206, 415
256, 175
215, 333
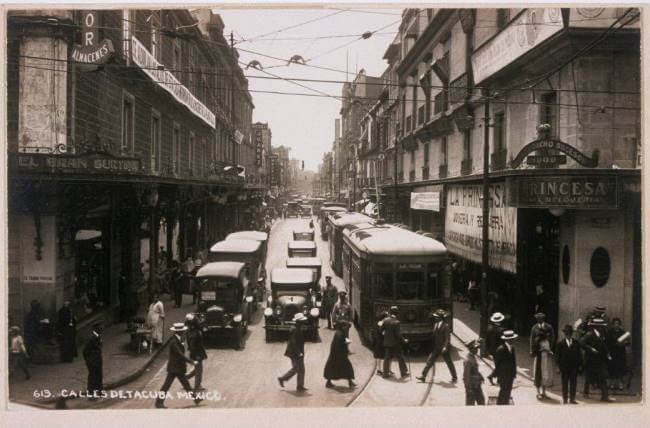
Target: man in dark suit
67, 330
494, 332
296, 352
93, 356
329, 300
196, 348
569, 359
176, 366
540, 326
596, 358
505, 367
440, 336
393, 342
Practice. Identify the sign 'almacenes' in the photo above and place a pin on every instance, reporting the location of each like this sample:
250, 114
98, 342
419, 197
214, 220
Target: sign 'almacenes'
92, 51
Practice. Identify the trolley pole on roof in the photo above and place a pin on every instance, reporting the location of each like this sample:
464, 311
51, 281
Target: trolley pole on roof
485, 262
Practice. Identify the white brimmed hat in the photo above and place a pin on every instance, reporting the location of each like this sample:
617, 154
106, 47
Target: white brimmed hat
178, 326
299, 317
497, 317
509, 335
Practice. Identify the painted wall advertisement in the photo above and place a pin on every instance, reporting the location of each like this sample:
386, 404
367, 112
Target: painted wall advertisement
464, 222
429, 201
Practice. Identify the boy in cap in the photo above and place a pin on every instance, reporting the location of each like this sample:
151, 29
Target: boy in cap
472, 377
176, 365
569, 361
296, 352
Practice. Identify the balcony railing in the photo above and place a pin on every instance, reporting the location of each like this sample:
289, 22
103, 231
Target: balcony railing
442, 171
425, 173
498, 160
466, 167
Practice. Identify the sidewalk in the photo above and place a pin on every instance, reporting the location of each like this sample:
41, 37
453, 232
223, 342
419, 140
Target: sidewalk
466, 328
122, 364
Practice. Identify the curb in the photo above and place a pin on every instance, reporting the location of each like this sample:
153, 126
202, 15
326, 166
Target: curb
115, 384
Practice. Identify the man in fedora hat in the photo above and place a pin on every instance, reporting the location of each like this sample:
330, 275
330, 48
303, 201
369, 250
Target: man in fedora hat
176, 365
296, 352
93, 356
541, 326
342, 312
440, 346
472, 377
494, 332
505, 367
329, 299
196, 348
596, 358
569, 360
393, 342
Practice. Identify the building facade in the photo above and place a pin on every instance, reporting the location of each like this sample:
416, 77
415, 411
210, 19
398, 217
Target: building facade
126, 135
555, 95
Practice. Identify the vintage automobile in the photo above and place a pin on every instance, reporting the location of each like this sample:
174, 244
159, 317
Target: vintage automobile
301, 249
313, 263
303, 235
254, 235
224, 300
306, 210
291, 292
246, 251
293, 209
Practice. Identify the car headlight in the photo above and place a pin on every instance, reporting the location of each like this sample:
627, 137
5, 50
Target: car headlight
249, 299
237, 318
268, 312
314, 312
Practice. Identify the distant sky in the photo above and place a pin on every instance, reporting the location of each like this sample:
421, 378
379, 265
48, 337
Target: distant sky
306, 124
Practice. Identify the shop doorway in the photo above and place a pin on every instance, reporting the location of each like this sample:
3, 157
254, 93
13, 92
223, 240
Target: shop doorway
539, 235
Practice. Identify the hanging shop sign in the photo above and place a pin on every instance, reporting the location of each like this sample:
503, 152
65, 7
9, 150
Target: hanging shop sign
258, 147
275, 170
166, 80
580, 192
429, 201
553, 144
91, 50
239, 137
464, 222
73, 164
531, 28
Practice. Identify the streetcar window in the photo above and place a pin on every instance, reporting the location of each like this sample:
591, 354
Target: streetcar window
432, 289
408, 284
384, 285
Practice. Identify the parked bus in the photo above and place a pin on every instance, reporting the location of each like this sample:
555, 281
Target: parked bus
336, 223
386, 266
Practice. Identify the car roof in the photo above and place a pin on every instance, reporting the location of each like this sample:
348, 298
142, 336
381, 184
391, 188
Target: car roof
248, 234
302, 245
224, 269
236, 246
342, 219
291, 276
304, 261
388, 239
334, 208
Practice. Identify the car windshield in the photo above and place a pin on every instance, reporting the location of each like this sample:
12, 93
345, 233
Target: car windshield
220, 291
408, 285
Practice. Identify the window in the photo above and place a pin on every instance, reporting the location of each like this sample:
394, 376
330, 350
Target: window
499, 132
549, 111
426, 154
432, 290
206, 154
128, 119
191, 153
443, 151
407, 284
412, 160
176, 149
155, 141
467, 144
384, 285
177, 64
503, 16
155, 34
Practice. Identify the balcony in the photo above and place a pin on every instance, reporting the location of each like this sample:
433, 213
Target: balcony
498, 160
425, 173
442, 171
466, 167
411, 176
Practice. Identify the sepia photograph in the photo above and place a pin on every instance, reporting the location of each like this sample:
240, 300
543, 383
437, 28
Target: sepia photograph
352, 206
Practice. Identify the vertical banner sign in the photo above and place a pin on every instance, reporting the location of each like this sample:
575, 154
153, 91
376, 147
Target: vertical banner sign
258, 147
464, 222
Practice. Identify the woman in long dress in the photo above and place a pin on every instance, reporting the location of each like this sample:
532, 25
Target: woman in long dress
338, 364
155, 319
543, 367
